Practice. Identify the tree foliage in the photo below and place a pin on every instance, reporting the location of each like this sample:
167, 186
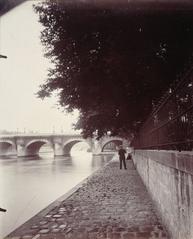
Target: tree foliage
112, 64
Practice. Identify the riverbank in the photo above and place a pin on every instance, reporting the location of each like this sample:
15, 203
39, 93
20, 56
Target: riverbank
111, 203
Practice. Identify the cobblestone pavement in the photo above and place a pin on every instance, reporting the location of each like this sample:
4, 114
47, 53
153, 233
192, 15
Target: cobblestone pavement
111, 204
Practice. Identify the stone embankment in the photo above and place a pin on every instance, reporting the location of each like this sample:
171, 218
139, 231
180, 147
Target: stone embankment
111, 204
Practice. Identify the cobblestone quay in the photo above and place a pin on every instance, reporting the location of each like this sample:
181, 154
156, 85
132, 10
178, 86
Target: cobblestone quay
110, 204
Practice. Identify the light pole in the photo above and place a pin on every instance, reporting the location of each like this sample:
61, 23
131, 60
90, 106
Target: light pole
53, 131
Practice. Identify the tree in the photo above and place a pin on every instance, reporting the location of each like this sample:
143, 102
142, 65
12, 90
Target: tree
112, 64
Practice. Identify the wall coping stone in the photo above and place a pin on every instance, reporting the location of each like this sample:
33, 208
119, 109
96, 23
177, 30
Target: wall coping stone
182, 161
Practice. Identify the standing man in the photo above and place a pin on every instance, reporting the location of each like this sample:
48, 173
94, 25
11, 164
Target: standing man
122, 153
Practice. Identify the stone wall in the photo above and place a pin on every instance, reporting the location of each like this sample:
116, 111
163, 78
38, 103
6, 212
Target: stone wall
168, 176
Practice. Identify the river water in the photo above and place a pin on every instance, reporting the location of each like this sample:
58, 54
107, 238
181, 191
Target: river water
27, 185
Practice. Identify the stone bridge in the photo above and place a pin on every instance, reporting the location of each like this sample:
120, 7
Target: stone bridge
29, 145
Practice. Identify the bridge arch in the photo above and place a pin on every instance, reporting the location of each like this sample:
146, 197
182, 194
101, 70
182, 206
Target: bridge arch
67, 146
7, 147
33, 147
117, 141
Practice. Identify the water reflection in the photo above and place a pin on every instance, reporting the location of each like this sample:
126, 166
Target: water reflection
30, 184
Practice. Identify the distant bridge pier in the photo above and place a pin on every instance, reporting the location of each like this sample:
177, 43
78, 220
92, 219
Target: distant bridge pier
59, 150
21, 150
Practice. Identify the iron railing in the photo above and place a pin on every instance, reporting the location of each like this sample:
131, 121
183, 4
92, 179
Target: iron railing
170, 125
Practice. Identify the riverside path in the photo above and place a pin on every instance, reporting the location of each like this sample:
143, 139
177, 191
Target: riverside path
110, 204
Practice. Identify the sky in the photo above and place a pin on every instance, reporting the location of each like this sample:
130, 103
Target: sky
22, 73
